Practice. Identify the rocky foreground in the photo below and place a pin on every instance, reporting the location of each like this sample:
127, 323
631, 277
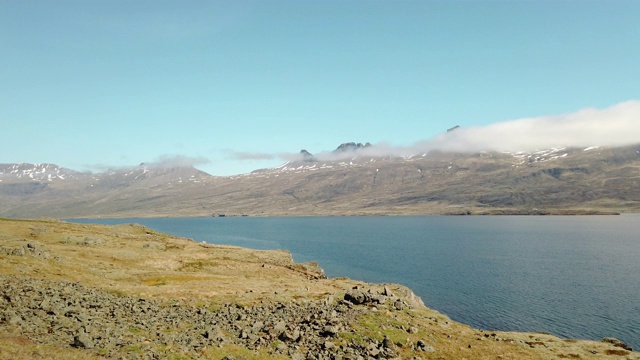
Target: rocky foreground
69, 313
70, 291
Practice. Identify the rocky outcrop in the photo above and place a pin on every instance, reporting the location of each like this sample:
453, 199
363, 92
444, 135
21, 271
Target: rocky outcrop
32, 248
617, 343
307, 156
350, 146
51, 312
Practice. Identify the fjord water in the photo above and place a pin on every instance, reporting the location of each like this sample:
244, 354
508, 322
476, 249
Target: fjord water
572, 276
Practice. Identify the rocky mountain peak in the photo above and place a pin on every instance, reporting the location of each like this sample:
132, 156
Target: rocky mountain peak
350, 146
342, 148
307, 156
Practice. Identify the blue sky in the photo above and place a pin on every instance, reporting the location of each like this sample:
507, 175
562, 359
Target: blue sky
236, 85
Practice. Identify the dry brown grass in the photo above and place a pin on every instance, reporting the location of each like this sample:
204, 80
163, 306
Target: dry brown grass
16, 347
134, 260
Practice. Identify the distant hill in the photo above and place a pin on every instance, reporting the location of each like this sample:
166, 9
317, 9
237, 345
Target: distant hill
561, 180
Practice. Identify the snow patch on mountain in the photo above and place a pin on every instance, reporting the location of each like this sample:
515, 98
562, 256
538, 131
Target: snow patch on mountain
142, 174
36, 172
521, 158
540, 155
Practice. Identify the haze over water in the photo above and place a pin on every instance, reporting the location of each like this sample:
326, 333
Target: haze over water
572, 276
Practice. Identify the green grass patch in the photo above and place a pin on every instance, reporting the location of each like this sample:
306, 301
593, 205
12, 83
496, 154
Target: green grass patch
155, 281
175, 356
133, 349
135, 330
377, 326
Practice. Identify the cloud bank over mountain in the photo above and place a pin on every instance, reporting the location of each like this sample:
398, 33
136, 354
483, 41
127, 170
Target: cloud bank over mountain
171, 161
614, 126
617, 125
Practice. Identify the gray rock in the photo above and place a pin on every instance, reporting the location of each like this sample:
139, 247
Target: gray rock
214, 334
421, 344
374, 352
282, 348
356, 296
110, 324
257, 326
387, 343
12, 318
290, 335
92, 241
329, 300
82, 340
329, 330
277, 329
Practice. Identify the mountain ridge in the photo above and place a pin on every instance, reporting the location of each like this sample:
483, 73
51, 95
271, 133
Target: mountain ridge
558, 180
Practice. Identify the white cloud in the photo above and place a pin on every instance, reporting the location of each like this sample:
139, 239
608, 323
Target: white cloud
170, 161
244, 155
617, 125
614, 126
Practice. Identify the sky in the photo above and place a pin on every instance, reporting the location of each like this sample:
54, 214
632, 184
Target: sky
234, 86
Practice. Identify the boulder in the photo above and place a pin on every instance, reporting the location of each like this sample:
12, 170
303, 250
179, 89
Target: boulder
82, 340
356, 297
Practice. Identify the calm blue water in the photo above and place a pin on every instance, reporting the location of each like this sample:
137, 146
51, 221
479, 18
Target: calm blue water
572, 276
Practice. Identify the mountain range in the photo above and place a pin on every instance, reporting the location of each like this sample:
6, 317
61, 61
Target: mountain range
552, 181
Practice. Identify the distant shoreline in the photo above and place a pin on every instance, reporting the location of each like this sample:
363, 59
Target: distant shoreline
487, 212
536, 212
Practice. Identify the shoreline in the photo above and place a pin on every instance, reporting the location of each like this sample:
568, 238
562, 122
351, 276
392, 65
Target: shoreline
492, 212
139, 263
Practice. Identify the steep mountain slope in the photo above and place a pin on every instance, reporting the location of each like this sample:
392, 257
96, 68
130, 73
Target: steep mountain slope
457, 183
555, 180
